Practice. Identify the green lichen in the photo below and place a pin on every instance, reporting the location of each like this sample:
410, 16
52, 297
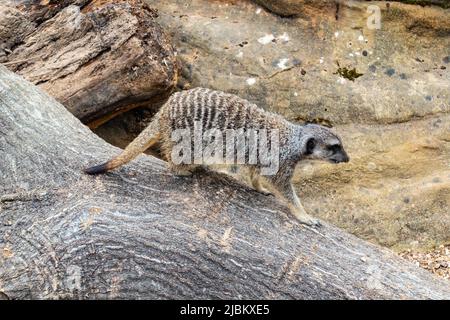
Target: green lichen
345, 72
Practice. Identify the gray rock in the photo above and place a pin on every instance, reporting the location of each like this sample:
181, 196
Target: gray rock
241, 48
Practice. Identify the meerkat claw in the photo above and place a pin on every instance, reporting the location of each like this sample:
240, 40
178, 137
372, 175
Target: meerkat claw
309, 221
317, 223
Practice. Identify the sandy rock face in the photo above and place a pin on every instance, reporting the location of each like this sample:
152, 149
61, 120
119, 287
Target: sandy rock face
384, 84
291, 8
98, 58
290, 65
395, 190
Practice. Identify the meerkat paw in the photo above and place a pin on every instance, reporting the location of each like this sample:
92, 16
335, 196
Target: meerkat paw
256, 184
264, 191
308, 220
182, 173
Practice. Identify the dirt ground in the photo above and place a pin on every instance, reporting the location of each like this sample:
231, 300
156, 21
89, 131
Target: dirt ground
436, 261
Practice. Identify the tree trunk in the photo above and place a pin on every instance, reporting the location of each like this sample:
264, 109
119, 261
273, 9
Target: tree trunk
140, 232
98, 58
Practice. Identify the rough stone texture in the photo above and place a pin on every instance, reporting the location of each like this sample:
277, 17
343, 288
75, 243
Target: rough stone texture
394, 118
235, 47
291, 8
98, 58
302, 8
440, 3
140, 232
396, 189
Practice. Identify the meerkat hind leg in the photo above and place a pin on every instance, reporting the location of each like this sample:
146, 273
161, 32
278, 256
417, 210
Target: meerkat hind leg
182, 170
255, 179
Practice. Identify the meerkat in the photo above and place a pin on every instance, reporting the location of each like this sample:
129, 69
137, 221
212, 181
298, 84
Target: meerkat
219, 110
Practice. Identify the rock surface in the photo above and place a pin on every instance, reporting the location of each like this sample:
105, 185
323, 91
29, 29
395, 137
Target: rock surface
290, 8
289, 65
98, 58
393, 119
394, 191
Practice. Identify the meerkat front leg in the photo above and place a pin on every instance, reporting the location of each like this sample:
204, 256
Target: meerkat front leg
287, 193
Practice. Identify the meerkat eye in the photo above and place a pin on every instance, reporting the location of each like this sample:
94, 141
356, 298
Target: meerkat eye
310, 146
334, 148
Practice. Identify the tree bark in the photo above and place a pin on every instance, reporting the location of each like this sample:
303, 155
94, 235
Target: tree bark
140, 232
98, 58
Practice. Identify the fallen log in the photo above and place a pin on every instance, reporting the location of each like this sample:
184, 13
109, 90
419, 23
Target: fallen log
98, 58
140, 232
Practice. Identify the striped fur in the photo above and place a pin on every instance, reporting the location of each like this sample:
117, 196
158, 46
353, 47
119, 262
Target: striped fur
218, 110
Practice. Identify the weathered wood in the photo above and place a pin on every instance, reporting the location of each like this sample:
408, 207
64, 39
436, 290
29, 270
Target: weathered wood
140, 232
98, 58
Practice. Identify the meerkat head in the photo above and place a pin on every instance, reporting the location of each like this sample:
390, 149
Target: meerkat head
320, 143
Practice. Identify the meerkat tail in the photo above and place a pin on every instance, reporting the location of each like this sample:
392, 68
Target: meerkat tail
148, 137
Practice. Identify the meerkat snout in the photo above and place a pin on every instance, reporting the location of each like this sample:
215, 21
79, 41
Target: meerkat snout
337, 154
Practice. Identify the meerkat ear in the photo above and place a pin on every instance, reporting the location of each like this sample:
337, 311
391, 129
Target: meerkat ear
310, 145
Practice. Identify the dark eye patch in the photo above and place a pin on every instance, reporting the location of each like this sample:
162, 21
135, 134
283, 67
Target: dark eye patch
334, 148
310, 145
